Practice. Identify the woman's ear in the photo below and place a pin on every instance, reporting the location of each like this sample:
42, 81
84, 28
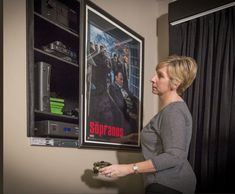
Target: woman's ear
174, 85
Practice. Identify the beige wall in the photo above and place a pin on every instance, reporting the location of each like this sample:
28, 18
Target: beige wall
45, 170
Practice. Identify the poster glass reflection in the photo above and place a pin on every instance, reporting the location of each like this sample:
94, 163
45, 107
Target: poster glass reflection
113, 83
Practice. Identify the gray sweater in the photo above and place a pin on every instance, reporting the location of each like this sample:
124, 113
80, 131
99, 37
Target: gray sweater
165, 141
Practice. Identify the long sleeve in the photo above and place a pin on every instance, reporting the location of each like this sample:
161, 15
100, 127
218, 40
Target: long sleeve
174, 137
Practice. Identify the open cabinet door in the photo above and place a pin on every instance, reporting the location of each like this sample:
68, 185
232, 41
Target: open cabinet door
113, 82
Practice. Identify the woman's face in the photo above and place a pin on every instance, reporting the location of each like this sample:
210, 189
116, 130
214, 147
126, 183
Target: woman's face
160, 82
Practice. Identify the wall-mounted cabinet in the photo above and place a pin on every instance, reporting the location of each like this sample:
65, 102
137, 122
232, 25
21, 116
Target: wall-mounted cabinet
84, 77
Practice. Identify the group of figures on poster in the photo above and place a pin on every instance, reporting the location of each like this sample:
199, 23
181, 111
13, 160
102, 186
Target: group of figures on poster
112, 88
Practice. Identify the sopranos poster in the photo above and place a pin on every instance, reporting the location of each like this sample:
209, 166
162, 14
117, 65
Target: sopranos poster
113, 77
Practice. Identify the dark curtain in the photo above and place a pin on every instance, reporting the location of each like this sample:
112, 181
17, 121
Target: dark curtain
210, 40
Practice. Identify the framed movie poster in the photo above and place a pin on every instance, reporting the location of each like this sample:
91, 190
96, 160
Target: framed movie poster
113, 82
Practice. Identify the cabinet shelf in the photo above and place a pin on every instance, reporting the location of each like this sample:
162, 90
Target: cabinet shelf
46, 54
51, 116
45, 34
55, 24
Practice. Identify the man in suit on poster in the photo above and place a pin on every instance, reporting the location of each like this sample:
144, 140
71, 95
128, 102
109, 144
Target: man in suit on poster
124, 103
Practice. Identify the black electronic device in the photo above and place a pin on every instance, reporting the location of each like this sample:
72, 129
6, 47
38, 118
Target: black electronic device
60, 13
48, 128
59, 49
42, 86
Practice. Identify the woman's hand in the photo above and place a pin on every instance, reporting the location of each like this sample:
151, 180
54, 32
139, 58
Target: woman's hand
116, 170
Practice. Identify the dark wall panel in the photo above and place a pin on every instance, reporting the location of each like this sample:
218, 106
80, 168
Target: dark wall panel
184, 8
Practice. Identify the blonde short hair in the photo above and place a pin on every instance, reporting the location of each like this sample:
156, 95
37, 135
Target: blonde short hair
181, 70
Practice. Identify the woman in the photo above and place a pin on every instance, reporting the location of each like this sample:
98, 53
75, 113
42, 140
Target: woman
166, 138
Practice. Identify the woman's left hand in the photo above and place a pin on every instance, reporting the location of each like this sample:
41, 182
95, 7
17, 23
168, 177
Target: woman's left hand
116, 170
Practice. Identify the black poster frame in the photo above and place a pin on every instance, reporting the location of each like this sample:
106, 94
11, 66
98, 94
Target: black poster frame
110, 120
